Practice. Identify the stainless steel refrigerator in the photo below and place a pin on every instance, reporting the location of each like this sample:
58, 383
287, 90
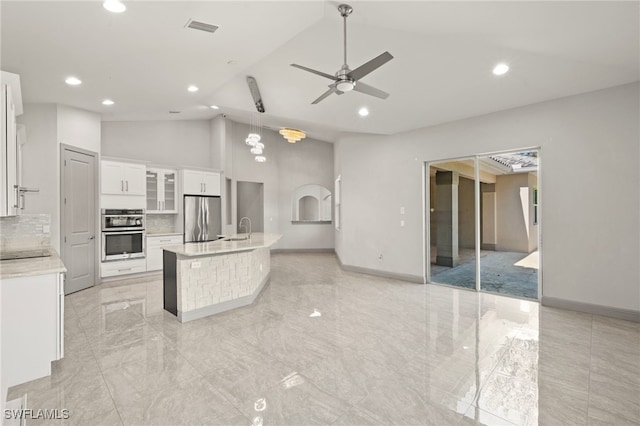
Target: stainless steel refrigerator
202, 220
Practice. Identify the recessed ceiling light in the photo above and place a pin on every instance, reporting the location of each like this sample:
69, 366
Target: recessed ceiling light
73, 81
192, 88
501, 69
215, 107
363, 112
114, 6
108, 102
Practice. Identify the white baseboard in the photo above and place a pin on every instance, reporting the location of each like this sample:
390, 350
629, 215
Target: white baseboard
606, 311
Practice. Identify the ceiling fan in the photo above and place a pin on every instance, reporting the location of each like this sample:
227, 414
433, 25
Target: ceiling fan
346, 79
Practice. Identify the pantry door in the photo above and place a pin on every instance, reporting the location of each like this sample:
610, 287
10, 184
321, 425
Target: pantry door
79, 218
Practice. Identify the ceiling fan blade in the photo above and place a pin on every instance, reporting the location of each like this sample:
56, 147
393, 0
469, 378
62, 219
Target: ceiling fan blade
370, 90
332, 89
370, 66
320, 73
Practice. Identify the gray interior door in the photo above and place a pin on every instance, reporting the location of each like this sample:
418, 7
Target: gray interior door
79, 217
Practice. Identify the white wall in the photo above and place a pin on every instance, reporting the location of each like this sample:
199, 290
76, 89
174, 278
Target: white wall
288, 166
589, 198
180, 143
79, 128
47, 126
306, 162
41, 165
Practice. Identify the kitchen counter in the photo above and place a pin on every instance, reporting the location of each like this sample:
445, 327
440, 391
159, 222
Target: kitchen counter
32, 266
202, 279
258, 240
163, 234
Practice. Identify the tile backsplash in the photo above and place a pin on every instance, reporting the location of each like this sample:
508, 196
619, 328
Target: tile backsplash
25, 232
161, 223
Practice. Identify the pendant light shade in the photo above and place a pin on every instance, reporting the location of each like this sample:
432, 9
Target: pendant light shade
292, 135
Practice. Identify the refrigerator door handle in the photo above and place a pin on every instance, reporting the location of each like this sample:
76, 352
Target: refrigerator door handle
206, 221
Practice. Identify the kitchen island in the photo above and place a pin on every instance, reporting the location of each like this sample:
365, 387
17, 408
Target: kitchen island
202, 279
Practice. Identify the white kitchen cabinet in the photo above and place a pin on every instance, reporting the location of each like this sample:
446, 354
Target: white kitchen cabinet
161, 191
9, 180
32, 326
123, 178
122, 267
200, 183
154, 249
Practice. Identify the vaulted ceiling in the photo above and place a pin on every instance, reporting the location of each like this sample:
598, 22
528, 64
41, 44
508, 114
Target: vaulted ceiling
444, 52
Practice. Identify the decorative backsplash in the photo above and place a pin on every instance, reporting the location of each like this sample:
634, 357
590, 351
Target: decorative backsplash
161, 223
25, 232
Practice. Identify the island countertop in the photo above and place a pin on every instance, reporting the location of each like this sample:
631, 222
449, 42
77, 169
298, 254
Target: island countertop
222, 246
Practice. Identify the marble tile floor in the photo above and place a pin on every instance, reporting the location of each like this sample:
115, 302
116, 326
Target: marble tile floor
375, 351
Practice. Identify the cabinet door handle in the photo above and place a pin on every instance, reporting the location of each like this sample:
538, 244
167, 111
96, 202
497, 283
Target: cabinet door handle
205, 187
127, 185
122, 270
121, 186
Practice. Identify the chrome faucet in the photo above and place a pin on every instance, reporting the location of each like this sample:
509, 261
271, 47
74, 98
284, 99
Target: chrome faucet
245, 226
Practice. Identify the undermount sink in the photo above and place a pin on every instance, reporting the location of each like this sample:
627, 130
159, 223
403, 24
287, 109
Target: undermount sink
237, 238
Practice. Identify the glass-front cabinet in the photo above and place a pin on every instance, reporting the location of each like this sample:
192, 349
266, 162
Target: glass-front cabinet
161, 191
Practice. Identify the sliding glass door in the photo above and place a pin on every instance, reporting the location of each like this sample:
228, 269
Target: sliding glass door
483, 223
452, 222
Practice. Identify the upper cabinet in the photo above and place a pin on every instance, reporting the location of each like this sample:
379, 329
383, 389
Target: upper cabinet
10, 107
123, 178
161, 191
200, 183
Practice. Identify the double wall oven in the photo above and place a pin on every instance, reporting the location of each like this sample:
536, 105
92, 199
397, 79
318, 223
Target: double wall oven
122, 234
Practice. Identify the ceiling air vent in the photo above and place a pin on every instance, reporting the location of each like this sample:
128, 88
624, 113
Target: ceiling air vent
202, 26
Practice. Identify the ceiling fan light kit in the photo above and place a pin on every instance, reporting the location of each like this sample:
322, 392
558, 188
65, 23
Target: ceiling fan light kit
346, 80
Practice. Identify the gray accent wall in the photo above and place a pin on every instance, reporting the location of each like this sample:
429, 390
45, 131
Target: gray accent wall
184, 143
589, 198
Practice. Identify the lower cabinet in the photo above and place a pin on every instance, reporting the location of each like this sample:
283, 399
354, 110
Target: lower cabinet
32, 326
154, 249
122, 267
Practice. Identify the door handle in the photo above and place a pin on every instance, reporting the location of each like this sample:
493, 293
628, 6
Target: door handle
92, 237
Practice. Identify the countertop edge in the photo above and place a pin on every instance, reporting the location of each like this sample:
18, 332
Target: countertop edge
32, 266
214, 247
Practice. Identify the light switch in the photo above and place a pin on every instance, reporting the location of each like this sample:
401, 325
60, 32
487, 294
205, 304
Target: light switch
402, 224
46, 229
401, 210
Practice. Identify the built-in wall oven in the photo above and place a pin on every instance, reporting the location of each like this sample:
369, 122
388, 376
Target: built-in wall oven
122, 234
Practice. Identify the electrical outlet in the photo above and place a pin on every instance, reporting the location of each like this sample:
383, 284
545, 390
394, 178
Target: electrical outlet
196, 265
402, 224
401, 210
46, 229
380, 256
